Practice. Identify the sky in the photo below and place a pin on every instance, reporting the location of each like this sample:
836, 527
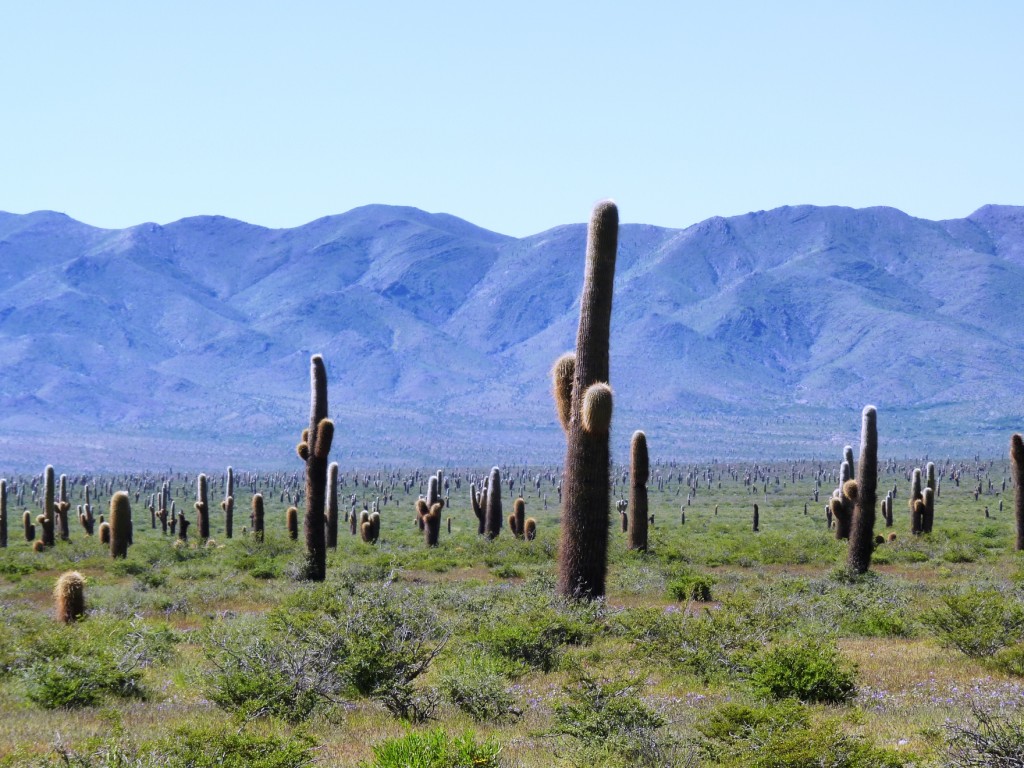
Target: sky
514, 116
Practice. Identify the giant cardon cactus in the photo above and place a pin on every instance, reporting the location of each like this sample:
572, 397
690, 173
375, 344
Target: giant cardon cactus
583, 399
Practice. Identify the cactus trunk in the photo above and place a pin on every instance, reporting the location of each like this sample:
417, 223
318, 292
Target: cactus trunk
862, 528
638, 475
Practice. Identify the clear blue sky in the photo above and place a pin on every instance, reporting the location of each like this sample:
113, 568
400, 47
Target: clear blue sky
515, 116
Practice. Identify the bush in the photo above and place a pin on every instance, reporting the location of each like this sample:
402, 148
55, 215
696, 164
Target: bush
1009, 660
782, 735
988, 741
691, 587
605, 722
434, 749
476, 684
977, 622
807, 670
212, 747
79, 665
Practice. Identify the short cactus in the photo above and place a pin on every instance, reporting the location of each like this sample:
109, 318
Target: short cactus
369, 526
257, 516
47, 523
530, 528
69, 597
517, 520
332, 506
917, 507
291, 520
105, 533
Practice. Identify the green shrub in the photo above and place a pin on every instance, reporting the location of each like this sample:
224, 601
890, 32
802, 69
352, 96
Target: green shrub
977, 622
1009, 660
782, 735
220, 747
73, 681
809, 670
435, 749
690, 587
477, 684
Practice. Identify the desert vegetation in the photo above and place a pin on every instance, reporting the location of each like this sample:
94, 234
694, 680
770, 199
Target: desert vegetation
754, 613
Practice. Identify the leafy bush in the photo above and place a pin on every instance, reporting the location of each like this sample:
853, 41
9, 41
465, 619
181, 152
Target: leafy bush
1009, 660
782, 735
434, 749
808, 670
604, 722
476, 684
977, 622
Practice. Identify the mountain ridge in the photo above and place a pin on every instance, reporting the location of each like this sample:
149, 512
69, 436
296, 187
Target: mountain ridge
736, 336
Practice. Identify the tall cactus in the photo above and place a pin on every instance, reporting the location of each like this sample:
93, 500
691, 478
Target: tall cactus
257, 516
228, 504
332, 505
930, 484
862, 528
479, 501
3, 513
202, 506
1017, 469
917, 508
639, 472
86, 518
314, 448
584, 403
120, 524
48, 508
493, 515
63, 507
517, 520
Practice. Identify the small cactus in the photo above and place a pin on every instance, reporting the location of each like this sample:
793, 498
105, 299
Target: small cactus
69, 597
105, 533
202, 506
530, 529
291, 518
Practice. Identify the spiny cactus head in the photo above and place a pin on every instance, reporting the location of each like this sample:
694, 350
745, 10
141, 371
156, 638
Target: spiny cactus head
305, 435
513, 525
38, 546
302, 449
596, 410
835, 506
638, 460
324, 438
561, 382
519, 506
850, 490
69, 596
435, 512
421, 507
891, 538
845, 472
919, 507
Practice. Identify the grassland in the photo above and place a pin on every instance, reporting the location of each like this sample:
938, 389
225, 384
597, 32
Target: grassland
650, 676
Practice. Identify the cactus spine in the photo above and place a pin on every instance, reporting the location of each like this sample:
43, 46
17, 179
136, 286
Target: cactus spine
202, 507
120, 524
69, 597
584, 404
332, 505
639, 473
862, 528
314, 449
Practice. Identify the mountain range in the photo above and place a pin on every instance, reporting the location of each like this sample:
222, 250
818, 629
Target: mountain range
754, 336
